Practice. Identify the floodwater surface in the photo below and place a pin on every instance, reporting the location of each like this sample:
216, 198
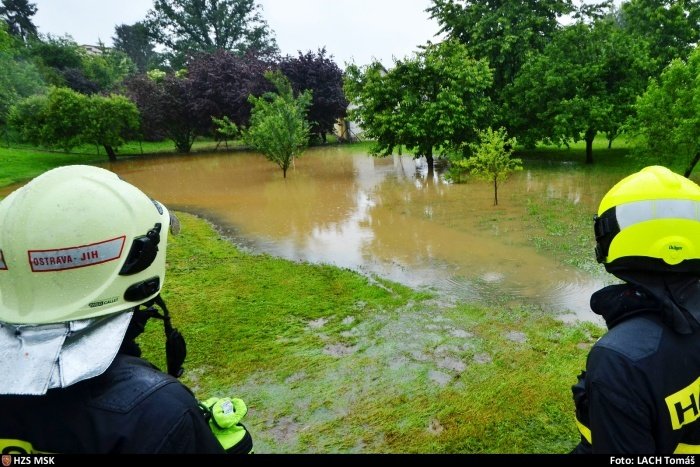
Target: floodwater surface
386, 217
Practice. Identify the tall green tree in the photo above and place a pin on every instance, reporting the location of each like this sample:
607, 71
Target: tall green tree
136, 42
491, 158
17, 14
278, 125
431, 102
584, 82
668, 115
671, 27
187, 26
504, 33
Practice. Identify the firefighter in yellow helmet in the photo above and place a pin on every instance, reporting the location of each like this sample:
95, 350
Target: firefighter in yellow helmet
640, 392
82, 263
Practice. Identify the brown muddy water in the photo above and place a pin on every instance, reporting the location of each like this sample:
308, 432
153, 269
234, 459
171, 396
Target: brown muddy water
384, 216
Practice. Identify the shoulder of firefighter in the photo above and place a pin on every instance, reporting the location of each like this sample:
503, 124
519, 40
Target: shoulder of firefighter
640, 392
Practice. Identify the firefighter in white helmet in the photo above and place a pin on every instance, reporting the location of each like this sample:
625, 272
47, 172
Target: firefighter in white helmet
640, 391
82, 263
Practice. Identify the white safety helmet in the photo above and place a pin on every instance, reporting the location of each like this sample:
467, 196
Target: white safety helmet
79, 250
78, 242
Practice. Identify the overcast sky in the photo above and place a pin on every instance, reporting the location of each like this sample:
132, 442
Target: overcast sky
358, 30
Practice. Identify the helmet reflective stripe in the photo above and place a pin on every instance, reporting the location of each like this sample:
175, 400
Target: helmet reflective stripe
642, 211
76, 257
616, 220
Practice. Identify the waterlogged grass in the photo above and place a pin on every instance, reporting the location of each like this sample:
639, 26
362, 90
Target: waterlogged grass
564, 230
332, 361
563, 227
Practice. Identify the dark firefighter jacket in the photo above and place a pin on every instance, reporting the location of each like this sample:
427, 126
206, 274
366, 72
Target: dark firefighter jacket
131, 408
640, 392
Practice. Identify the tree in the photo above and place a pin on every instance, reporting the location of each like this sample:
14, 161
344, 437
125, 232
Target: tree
75, 79
64, 63
278, 126
54, 56
221, 83
225, 129
491, 158
59, 52
55, 120
27, 117
585, 81
320, 75
178, 117
668, 114
671, 27
504, 33
187, 26
18, 16
144, 90
433, 101
135, 41
167, 108
111, 120
19, 78
65, 118
107, 69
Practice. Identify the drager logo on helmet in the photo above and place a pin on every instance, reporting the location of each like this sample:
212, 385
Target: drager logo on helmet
76, 257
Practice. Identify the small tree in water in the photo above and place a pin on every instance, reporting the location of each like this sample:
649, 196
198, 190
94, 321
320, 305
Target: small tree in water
278, 126
491, 159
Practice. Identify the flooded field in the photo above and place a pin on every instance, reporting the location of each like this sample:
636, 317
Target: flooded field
384, 216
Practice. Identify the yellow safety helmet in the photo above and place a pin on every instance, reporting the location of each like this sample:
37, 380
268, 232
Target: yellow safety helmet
78, 242
650, 221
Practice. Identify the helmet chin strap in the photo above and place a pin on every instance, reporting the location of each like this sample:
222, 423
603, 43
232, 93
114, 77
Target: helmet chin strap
175, 346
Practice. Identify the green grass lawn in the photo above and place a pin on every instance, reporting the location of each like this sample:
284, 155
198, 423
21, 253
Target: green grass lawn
20, 164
